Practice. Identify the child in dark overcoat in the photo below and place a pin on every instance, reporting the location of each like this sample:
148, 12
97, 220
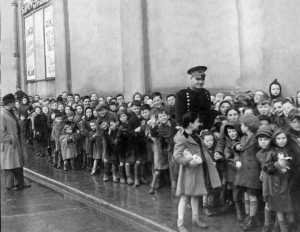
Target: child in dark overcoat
110, 159
41, 130
123, 140
135, 157
96, 144
57, 129
248, 169
264, 138
85, 129
232, 135
162, 133
280, 167
211, 199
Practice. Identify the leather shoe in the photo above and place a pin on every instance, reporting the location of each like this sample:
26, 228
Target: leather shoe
182, 229
200, 224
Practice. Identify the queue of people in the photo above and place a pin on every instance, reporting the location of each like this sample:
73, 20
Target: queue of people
241, 151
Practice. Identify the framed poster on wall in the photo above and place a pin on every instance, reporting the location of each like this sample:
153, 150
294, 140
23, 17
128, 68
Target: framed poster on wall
29, 42
39, 42
49, 42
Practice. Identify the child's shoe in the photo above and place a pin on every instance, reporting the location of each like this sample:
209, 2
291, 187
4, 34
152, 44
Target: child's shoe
267, 228
151, 191
200, 224
209, 212
115, 174
250, 225
93, 172
65, 166
136, 175
121, 173
128, 175
73, 166
182, 229
105, 177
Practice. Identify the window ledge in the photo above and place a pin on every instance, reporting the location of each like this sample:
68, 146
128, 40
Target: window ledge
41, 80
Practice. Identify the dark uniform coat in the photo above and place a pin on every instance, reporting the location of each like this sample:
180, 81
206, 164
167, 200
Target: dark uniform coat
197, 101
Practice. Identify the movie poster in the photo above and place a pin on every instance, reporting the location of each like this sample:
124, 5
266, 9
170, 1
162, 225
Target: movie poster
49, 42
29, 43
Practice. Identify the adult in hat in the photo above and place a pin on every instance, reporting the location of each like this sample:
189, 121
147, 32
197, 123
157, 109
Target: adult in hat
11, 157
195, 98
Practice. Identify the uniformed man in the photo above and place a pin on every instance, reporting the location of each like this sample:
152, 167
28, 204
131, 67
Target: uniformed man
195, 98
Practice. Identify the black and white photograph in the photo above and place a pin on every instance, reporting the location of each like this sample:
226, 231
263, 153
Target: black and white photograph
150, 115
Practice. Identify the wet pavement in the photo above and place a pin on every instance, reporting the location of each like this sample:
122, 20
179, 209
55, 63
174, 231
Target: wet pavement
39, 209
161, 207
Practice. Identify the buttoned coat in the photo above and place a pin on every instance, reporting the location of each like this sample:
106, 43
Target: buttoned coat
11, 155
197, 101
191, 180
248, 175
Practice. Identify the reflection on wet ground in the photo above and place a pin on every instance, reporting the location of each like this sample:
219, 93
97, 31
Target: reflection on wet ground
39, 209
161, 207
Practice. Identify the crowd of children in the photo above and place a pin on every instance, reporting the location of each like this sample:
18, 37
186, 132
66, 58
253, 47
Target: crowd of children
254, 143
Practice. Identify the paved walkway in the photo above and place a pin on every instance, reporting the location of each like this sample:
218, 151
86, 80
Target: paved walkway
160, 208
39, 209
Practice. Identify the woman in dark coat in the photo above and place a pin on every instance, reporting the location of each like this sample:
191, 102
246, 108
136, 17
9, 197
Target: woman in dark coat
197, 173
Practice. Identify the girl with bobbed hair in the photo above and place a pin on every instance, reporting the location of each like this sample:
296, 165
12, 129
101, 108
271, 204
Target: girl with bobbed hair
197, 172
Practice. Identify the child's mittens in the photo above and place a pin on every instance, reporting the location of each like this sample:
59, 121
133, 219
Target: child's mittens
218, 156
261, 176
237, 147
137, 130
194, 163
282, 163
197, 159
187, 154
238, 164
104, 125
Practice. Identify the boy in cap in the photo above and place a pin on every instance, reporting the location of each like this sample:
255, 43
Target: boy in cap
264, 138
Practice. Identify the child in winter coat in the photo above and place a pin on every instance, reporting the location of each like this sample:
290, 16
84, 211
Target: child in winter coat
135, 156
41, 130
123, 140
162, 133
264, 138
57, 129
85, 129
68, 145
280, 167
248, 169
232, 135
97, 145
110, 158
210, 201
